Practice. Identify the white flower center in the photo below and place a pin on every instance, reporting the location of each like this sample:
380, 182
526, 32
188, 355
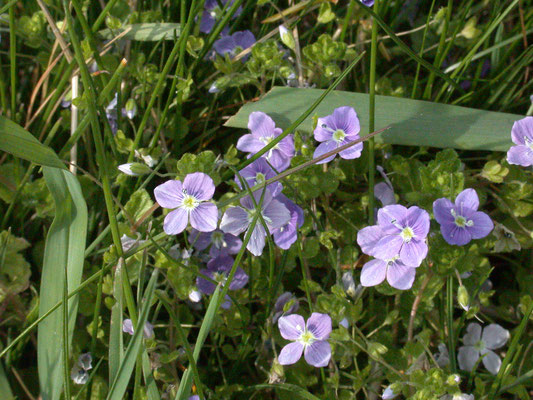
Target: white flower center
480, 345
528, 142
189, 202
259, 178
407, 234
339, 135
219, 277
306, 338
253, 213
218, 240
461, 221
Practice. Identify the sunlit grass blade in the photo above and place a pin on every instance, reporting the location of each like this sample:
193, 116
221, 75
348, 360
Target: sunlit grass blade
145, 32
122, 378
116, 343
65, 247
5, 389
413, 122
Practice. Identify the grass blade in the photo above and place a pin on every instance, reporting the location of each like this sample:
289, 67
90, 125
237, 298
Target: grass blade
120, 384
146, 32
5, 389
116, 343
413, 122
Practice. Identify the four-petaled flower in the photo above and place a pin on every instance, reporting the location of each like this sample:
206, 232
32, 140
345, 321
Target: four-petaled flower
477, 344
309, 339
218, 270
522, 136
258, 172
263, 131
189, 201
285, 236
221, 243
148, 329
335, 131
235, 43
399, 275
461, 222
238, 219
212, 12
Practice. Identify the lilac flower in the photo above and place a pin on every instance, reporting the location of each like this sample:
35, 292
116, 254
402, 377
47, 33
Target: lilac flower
263, 131
368, 3
281, 302
258, 172
335, 131
522, 136
478, 344
461, 222
384, 193
189, 201
194, 397
400, 232
309, 339
442, 357
79, 375
388, 393
148, 329
235, 43
238, 219
221, 243
285, 236
195, 296
85, 361
458, 396
212, 12
399, 275
111, 114
218, 270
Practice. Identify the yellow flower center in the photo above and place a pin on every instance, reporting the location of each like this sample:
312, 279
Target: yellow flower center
339, 135
407, 234
189, 202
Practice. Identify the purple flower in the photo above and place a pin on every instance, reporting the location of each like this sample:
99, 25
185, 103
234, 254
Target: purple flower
148, 329
335, 131
111, 114
279, 307
461, 222
194, 397
397, 273
212, 12
221, 243
218, 270
237, 219
400, 232
235, 43
310, 339
189, 201
522, 136
285, 236
263, 131
258, 172
384, 193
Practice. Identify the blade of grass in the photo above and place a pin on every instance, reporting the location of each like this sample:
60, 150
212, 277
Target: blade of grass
116, 342
13, 61
5, 389
119, 386
371, 115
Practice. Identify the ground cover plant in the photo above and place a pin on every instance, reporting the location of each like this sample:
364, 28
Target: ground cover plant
313, 199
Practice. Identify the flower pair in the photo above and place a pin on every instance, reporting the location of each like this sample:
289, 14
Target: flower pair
398, 243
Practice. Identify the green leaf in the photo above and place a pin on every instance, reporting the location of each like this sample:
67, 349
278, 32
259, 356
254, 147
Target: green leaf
413, 122
14, 269
139, 202
146, 32
16, 140
65, 248
325, 14
120, 384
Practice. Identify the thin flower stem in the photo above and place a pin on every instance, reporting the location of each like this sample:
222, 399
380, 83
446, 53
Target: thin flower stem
421, 52
371, 115
13, 61
66, 347
347, 19
449, 311
305, 275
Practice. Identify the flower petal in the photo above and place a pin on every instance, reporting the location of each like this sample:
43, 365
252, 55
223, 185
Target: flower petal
345, 118
442, 209
279, 160
204, 285
388, 247
323, 132
521, 130
351, 152
467, 199
373, 273
324, 148
319, 325
454, 234
175, 221
491, 361
249, 144
473, 334
169, 194
199, 185
291, 353
483, 225
257, 240
413, 253
204, 217
520, 155
277, 215
199, 240
401, 276
234, 221
240, 279
384, 193
368, 237
318, 354
418, 221
467, 357
390, 216
260, 124
495, 336
291, 326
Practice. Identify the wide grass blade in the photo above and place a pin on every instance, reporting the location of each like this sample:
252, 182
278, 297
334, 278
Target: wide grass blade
116, 343
5, 389
16, 140
293, 389
65, 247
123, 375
146, 32
413, 122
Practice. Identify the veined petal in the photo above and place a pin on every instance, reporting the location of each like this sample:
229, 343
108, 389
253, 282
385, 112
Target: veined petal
260, 124
319, 325
175, 221
249, 144
323, 148
442, 210
388, 247
277, 215
291, 326
345, 118
320, 133
240, 279
401, 276
351, 152
257, 240
491, 361
169, 194
368, 237
318, 354
413, 253
373, 273
520, 155
454, 234
390, 216
279, 160
483, 225
418, 221
494, 336
199, 185
467, 357
205, 217
521, 130
291, 353
473, 334
468, 200
234, 221
203, 284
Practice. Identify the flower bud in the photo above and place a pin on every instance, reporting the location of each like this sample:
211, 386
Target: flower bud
462, 297
286, 37
134, 169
